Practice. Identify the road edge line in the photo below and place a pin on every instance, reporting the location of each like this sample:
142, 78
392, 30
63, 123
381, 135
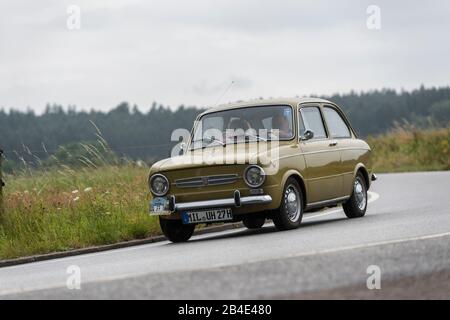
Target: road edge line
107, 247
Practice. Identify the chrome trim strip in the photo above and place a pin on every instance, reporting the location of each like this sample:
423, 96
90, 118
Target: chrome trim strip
325, 202
330, 176
322, 151
336, 149
229, 202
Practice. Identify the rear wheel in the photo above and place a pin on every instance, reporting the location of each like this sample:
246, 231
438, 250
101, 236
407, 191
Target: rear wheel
356, 206
254, 223
290, 213
175, 230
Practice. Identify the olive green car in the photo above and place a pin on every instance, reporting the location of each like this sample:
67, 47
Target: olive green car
266, 159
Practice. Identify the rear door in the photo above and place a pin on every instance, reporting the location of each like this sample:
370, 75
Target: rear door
321, 155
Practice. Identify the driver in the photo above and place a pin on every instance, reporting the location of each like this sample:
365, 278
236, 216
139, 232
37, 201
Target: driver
281, 123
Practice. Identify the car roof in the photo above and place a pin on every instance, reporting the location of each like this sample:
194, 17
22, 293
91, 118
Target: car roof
264, 102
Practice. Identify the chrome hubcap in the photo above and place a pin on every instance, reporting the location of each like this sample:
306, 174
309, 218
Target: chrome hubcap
292, 203
360, 194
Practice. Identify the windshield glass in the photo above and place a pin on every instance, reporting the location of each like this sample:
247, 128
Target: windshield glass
243, 125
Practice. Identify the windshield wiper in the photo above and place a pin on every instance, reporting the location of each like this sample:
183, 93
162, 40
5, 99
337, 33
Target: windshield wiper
255, 136
214, 139
210, 140
247, 136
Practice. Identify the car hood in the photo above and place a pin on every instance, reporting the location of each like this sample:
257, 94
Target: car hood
249, 153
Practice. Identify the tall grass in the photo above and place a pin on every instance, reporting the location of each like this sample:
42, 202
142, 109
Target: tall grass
411, 149
99, 200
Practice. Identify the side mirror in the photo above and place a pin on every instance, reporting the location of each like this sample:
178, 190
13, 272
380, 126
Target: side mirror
308, 135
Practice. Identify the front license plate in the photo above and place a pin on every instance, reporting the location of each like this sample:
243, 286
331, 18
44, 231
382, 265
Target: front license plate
204, 216
159, 206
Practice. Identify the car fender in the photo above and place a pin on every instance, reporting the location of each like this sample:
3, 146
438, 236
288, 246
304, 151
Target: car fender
299, 177
367, 175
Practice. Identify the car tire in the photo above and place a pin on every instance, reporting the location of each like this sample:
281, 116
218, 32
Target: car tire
289, 215
254, 223
356, 206
175, 230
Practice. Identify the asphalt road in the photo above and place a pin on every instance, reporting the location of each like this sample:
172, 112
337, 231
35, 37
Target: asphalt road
405, 233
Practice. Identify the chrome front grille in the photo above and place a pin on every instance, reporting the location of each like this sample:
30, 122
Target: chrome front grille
206, 181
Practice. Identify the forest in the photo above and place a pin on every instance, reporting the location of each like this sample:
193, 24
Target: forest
27, 137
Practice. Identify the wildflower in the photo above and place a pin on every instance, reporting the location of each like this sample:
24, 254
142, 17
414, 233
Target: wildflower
140, 163
74, 191
88, 189
108, 213
76, 199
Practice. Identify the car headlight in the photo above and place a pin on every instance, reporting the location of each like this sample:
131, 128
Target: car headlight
254, 176
159, 185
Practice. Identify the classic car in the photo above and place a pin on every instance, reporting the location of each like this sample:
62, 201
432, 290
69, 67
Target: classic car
259, 160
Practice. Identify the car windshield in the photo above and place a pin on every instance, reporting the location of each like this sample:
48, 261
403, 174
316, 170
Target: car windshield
243, 125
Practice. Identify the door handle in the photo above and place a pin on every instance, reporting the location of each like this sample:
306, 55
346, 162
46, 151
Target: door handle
333, 143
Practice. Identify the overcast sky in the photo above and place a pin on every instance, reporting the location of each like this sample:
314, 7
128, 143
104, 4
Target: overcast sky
188, 52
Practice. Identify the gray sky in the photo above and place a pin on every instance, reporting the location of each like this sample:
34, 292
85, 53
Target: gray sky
188, 52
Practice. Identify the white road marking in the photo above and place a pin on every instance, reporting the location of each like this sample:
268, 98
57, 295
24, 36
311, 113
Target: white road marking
372, 244
339, 249
373, 196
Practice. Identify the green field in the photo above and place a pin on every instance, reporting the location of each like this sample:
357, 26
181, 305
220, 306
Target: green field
58, 207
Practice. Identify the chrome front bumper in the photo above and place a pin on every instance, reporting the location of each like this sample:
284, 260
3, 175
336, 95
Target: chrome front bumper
236, 201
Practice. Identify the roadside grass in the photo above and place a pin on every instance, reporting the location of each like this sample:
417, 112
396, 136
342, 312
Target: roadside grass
61, 210
407, 149
105, 200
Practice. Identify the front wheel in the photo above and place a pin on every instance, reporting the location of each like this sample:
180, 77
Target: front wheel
175, 230
289, 215
356, 206
254, 223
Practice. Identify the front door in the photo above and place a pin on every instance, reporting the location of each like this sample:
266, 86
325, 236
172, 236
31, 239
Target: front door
343, 138
323, 159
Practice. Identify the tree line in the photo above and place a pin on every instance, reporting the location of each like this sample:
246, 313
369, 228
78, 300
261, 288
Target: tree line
30, 137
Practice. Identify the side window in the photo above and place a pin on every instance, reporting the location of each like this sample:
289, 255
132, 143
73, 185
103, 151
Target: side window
336, 125
312, 120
